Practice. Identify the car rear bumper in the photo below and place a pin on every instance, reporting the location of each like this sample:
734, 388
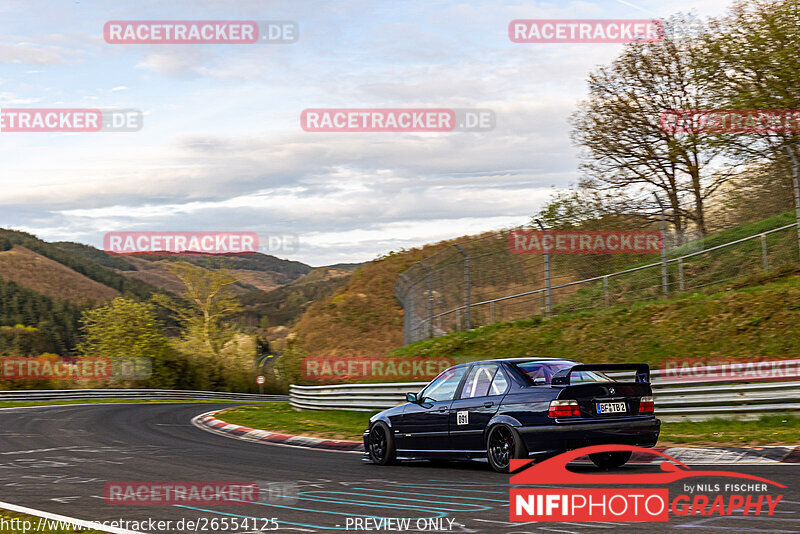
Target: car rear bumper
572, 435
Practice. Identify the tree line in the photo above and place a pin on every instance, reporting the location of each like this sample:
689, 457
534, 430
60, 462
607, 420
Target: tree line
746, 59
192, 340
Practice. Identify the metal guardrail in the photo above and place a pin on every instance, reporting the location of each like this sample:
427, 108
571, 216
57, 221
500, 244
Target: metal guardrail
138, 394
694, 399
360, 397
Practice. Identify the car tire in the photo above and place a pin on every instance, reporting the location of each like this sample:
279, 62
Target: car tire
381, 444
610, 460
504, 444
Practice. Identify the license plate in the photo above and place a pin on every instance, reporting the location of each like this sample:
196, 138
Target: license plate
611, 407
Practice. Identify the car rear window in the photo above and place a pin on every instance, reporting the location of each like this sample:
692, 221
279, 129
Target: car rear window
542, 372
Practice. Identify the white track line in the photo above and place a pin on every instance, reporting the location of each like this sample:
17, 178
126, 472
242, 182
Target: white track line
65, 519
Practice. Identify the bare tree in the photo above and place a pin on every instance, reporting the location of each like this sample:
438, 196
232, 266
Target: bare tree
626, 150
750, 61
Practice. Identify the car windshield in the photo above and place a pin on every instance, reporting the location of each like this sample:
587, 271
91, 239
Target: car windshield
542, 372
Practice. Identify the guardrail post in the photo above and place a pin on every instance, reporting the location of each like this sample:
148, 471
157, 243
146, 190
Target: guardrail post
681, 282
548, 301
764, 252
467, 283
796, 181
664, 271
458, 320
491, 312
405, 294
429, 289
605, 290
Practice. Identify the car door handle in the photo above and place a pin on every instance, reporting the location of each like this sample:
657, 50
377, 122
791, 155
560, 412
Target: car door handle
443, 409
488, 404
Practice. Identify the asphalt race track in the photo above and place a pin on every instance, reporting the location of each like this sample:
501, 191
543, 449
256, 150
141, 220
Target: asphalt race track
58, 459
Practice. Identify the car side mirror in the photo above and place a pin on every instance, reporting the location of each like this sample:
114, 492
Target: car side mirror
412, 397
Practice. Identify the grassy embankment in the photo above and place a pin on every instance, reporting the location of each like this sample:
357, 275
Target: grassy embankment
755, 318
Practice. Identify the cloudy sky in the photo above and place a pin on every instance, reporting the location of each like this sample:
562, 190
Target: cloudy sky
222, 148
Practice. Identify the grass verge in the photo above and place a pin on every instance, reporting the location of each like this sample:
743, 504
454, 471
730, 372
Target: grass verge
280, 417
349, 425
767, 430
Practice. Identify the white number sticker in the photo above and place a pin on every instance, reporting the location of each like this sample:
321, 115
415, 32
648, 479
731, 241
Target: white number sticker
462, 418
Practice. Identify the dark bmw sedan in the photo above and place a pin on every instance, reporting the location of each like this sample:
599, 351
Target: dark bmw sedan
518, 408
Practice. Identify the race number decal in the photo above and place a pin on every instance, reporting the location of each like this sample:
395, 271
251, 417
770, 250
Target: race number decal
462, 418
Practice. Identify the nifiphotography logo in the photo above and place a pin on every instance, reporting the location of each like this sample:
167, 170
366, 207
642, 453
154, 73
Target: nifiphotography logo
728, 497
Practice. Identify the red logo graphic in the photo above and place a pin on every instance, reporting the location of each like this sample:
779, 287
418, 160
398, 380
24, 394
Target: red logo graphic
730, 121
180, 242
690, 369
357, 368
585, 242
585, 31
54, 368
51, 120
199, 32
186, 493
396, 120
623, 504
378, 120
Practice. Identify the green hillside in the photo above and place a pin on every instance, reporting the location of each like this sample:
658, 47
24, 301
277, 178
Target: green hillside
757, 317
284, 305
50, 325
78, 263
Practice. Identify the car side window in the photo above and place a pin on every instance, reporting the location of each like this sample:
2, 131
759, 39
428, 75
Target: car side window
444, 387
478, 381
499, 384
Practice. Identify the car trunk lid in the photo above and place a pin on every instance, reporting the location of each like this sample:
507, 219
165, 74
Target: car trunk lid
601, 399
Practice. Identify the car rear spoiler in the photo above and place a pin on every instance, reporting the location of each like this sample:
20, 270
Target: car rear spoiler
562, 377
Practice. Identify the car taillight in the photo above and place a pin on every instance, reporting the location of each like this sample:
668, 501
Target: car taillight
564, 408
647, 405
